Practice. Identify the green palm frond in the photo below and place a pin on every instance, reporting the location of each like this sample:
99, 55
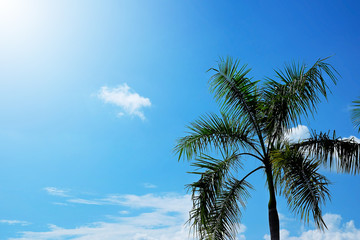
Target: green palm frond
212, 131
237, 94
205, 191
216, 171
355, 114
226, 215
297, 178
332, 151
297, 94
232, 88
217, 196
217, 216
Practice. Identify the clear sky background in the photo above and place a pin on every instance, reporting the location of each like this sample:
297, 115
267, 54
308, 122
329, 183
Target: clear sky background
94, 94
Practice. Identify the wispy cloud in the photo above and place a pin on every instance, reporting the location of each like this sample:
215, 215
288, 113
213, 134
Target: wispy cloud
164, 203
109, 231
159, 217
60, 203
336, 231
124, 97
139, 217
14, 222
149, 185
86, 201
56, 192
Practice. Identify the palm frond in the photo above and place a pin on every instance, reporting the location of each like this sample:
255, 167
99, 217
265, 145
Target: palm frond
215, 171
297, 94
217, 216
355, 114
335, 152
212, 131
216, 196
297, 178
236, 92
227, 212
232, 88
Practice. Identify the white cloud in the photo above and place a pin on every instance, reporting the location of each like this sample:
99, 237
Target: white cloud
109, 231
129, 101
302, 132
149, 185
163, 203
298, 133
60, 203
14, 222
165, 221
160, 217
336, 231
352, 138
85, 201
56, 192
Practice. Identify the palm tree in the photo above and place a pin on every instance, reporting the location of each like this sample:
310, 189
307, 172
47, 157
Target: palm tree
255, 117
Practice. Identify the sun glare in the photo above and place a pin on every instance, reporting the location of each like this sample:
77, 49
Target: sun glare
16, 16
10, 12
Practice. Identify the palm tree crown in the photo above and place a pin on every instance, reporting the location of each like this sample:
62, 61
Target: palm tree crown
255, 116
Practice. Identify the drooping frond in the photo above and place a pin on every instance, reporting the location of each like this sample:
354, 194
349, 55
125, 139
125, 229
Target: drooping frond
226, 215
216, 197
335, 152
355, 114
297, 178
297, 94
212, 131
216, 170
204, 192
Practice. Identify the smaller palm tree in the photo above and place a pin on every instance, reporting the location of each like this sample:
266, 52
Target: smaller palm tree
255, 117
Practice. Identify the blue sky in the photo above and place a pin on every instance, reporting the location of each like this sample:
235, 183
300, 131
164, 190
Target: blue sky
94, 94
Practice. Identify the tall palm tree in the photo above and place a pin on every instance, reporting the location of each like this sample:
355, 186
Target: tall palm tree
255, 117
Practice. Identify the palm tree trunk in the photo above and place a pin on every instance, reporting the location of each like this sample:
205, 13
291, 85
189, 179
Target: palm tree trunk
273, 214
274, 223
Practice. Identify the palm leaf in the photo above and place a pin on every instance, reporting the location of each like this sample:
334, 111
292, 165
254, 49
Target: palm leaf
216, 216
355, 114
217, 196
212, 131
226, 215
297, 94
335, 152
215, 171
205, 191
297, 178
237, 94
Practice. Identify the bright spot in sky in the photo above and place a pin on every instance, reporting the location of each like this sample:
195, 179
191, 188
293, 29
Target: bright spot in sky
11, 13
18, 18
